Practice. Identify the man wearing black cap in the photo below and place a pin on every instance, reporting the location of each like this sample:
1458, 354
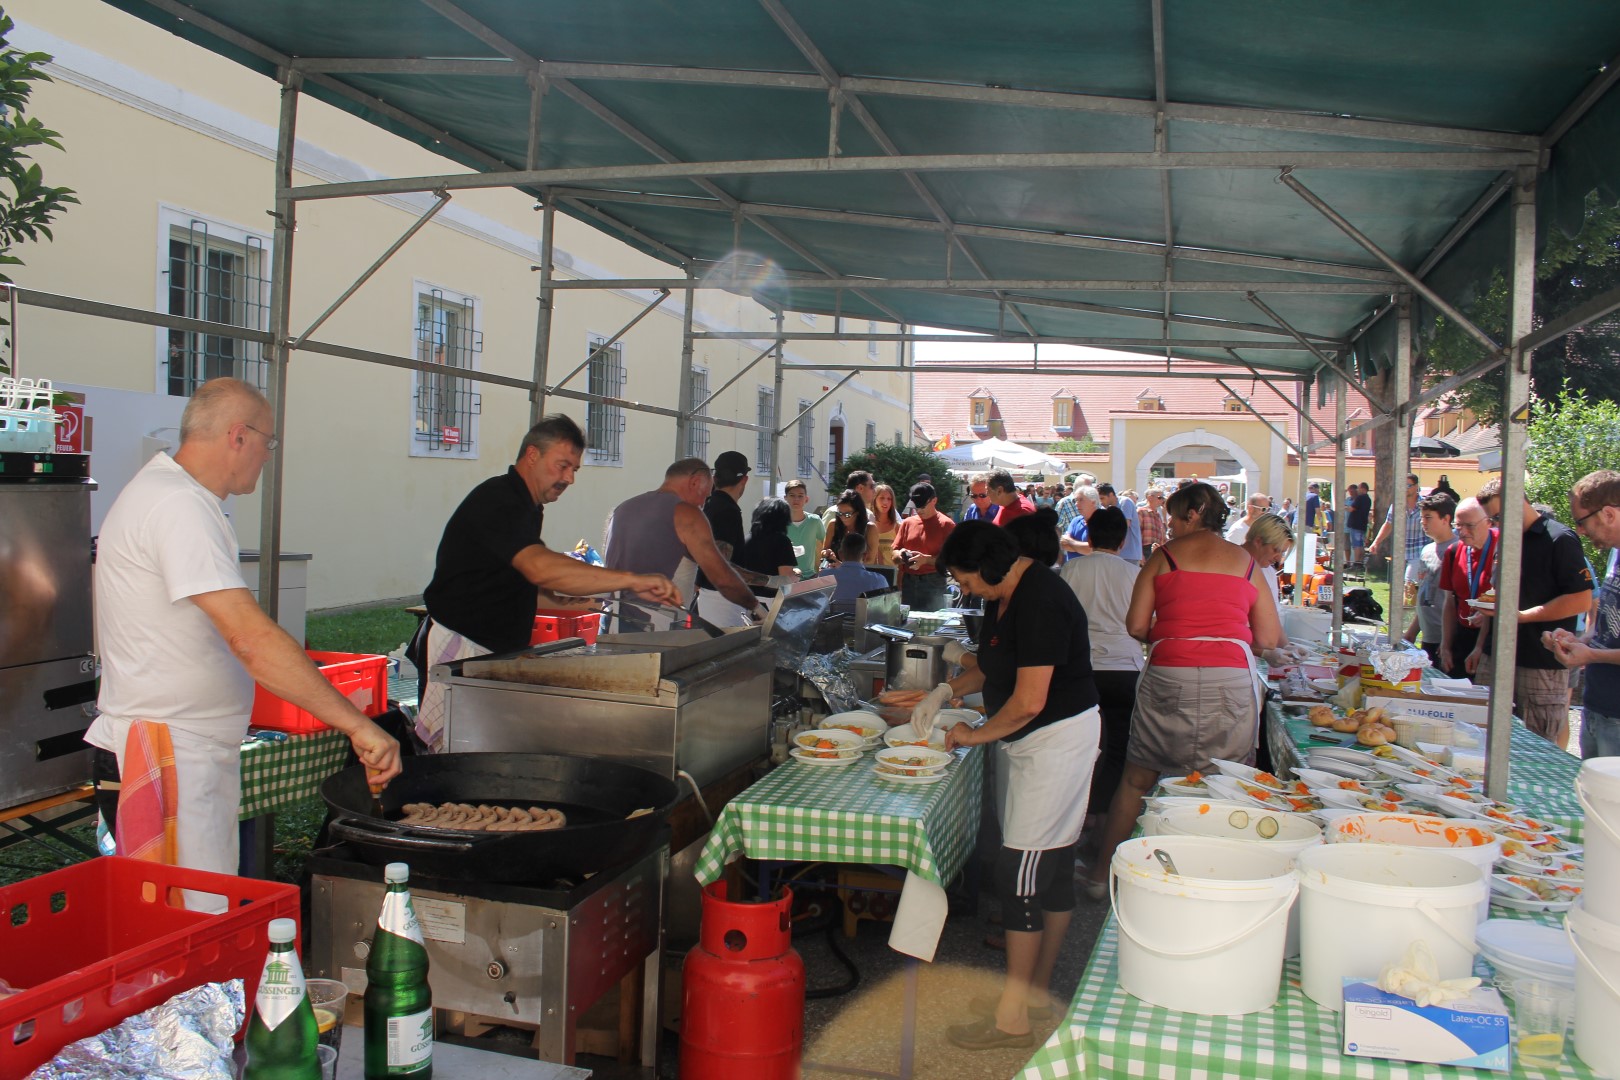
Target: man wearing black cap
724, 511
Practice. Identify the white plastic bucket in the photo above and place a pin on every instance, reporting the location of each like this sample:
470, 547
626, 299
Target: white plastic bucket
1597, 989
1294, 834
1209, 938
1473, 843
1597, 785
1362, 905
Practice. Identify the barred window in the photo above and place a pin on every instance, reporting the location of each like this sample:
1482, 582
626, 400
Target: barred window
220, 274
697, 435
446, 407
807, 440
871, 434
604, 422
766, 419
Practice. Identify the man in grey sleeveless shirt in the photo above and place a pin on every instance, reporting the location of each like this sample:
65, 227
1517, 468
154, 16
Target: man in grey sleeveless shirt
663, 531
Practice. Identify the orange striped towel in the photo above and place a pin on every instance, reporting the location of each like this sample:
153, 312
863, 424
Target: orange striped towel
149, 799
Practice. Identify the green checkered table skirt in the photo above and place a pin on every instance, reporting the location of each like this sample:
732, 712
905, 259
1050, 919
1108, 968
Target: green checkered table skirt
1541, 777
821, 813
278, 774
1108, 1033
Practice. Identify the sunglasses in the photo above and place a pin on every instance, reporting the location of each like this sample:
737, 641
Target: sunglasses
981, 495
846, 513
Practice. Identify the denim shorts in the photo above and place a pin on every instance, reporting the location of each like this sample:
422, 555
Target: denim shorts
1355, 537
1600, 734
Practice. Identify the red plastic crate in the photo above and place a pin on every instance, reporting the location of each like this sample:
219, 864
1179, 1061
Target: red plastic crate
555, 625
360, 677
98, 942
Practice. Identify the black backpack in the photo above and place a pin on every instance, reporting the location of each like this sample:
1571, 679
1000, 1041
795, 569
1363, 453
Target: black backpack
1360, 605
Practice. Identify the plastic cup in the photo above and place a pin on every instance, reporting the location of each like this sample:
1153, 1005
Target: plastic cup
1542, 1010
329, 998
328, 1056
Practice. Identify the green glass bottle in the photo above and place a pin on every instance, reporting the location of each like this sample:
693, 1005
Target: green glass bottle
398, 1001
281, 1033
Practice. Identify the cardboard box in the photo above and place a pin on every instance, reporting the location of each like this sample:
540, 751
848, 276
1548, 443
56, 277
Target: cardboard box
1432, 706
1473, 1032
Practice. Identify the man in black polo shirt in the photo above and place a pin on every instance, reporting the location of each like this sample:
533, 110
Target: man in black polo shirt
492, 563
724, 510
1554, 587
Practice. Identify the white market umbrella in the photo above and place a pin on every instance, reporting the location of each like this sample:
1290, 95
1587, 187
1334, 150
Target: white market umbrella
999, 453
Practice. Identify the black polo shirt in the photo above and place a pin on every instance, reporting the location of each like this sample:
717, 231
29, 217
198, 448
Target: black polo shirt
475, 589
1042, 625
1551, 566
725, 519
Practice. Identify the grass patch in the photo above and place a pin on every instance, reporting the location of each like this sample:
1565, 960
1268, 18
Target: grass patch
28, 859
371, 630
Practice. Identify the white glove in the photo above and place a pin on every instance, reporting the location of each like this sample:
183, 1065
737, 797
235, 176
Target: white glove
1417, 976
926, 711
954, 651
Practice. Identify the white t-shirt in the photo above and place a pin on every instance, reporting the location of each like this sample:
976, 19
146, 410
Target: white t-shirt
1103, 583
165, 540
1238, 532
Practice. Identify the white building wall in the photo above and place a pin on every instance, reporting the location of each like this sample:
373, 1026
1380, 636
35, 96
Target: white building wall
150, 122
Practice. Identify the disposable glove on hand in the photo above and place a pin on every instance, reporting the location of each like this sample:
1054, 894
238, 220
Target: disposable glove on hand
927, 710
954, 651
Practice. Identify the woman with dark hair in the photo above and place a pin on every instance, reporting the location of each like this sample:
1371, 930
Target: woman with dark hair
1034, 667
849, 518
1036, 535
1199, 603
768, 550
1103, 582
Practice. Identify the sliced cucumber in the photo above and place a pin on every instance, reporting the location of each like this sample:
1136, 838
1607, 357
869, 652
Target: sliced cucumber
1267, 827
1238, 819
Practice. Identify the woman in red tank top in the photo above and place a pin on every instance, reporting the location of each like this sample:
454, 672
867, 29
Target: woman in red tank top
1201, 606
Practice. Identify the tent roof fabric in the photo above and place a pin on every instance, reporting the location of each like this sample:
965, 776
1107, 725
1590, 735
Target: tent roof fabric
1401, 116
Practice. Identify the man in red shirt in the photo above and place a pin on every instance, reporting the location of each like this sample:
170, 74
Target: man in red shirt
917, 541
1465, 575
1010, 505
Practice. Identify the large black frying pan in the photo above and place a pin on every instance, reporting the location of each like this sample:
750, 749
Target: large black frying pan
598, 797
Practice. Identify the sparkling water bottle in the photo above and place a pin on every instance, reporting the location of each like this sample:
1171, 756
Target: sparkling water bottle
281, 1033
398, 1002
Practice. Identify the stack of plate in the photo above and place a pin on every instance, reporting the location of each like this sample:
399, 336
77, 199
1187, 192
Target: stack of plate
1341, 761
911, 765
1520, 949
859, 722
846, 747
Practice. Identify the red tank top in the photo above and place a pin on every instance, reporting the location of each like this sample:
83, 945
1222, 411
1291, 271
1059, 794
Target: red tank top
1197, 603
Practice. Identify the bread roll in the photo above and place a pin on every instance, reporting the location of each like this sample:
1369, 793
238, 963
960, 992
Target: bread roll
1346, 724
1372, 735
1321, 716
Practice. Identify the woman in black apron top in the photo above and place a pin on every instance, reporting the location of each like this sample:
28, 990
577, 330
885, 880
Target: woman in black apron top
1035, 672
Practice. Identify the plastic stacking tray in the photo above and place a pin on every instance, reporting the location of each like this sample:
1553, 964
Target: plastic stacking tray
360, 677
98, 942
555, 625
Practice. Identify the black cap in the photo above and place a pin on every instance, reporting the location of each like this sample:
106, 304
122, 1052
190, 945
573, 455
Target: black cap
730, 467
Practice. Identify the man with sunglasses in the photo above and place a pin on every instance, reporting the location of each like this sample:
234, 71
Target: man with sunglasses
979, 507
1594, 504
1554, 587
182, 641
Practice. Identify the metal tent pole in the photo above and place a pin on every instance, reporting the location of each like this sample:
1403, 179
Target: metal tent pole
542, 323
1400, 466
1339, 506
683, 392
776, 405
1302, 391
276, 354
1515, 420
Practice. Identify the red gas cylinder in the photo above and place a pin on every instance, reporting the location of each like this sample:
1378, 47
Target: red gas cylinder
742, 1016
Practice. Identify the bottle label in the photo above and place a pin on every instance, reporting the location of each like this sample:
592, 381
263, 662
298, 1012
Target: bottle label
398, 917
281, 988
410, 1042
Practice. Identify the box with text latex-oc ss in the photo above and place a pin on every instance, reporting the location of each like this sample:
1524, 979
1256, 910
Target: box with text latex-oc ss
1472, 1032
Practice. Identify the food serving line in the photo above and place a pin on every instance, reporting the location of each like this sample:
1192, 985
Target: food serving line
1109, 1032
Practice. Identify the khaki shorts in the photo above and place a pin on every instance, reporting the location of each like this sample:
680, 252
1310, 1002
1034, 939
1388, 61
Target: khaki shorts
1186, 716
1540, 698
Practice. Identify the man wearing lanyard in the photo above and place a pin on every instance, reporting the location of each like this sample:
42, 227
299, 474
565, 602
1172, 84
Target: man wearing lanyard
1554, 587
1464, 574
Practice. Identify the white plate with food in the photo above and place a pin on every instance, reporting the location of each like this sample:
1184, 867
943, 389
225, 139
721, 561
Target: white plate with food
906, 735
868, 727
1190, 785
912, 760
1487, 606
903, 778
1249, 773
1232, 788
1541, 843
1521, 890
808, 757
1326, 778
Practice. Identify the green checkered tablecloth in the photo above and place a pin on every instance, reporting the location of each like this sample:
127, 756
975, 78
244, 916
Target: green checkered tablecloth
1541, 777
820, 813
278, 774
1109, 1033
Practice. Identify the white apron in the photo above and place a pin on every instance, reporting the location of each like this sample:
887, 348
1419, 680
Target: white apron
443, 646
1045, 782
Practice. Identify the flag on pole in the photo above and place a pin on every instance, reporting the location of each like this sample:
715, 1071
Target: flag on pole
942, 444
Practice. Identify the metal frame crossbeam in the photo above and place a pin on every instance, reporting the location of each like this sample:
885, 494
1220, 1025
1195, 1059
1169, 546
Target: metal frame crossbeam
1153, 285
1327, 361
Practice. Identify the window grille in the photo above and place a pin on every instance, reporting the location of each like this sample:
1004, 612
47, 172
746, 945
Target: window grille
807, 440
697, 435
446, 406
871, 434
871, 346
766, 419
604, 422
221, 280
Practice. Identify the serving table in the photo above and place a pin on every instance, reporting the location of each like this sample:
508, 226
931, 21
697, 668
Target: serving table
1108, 1032
275, 775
